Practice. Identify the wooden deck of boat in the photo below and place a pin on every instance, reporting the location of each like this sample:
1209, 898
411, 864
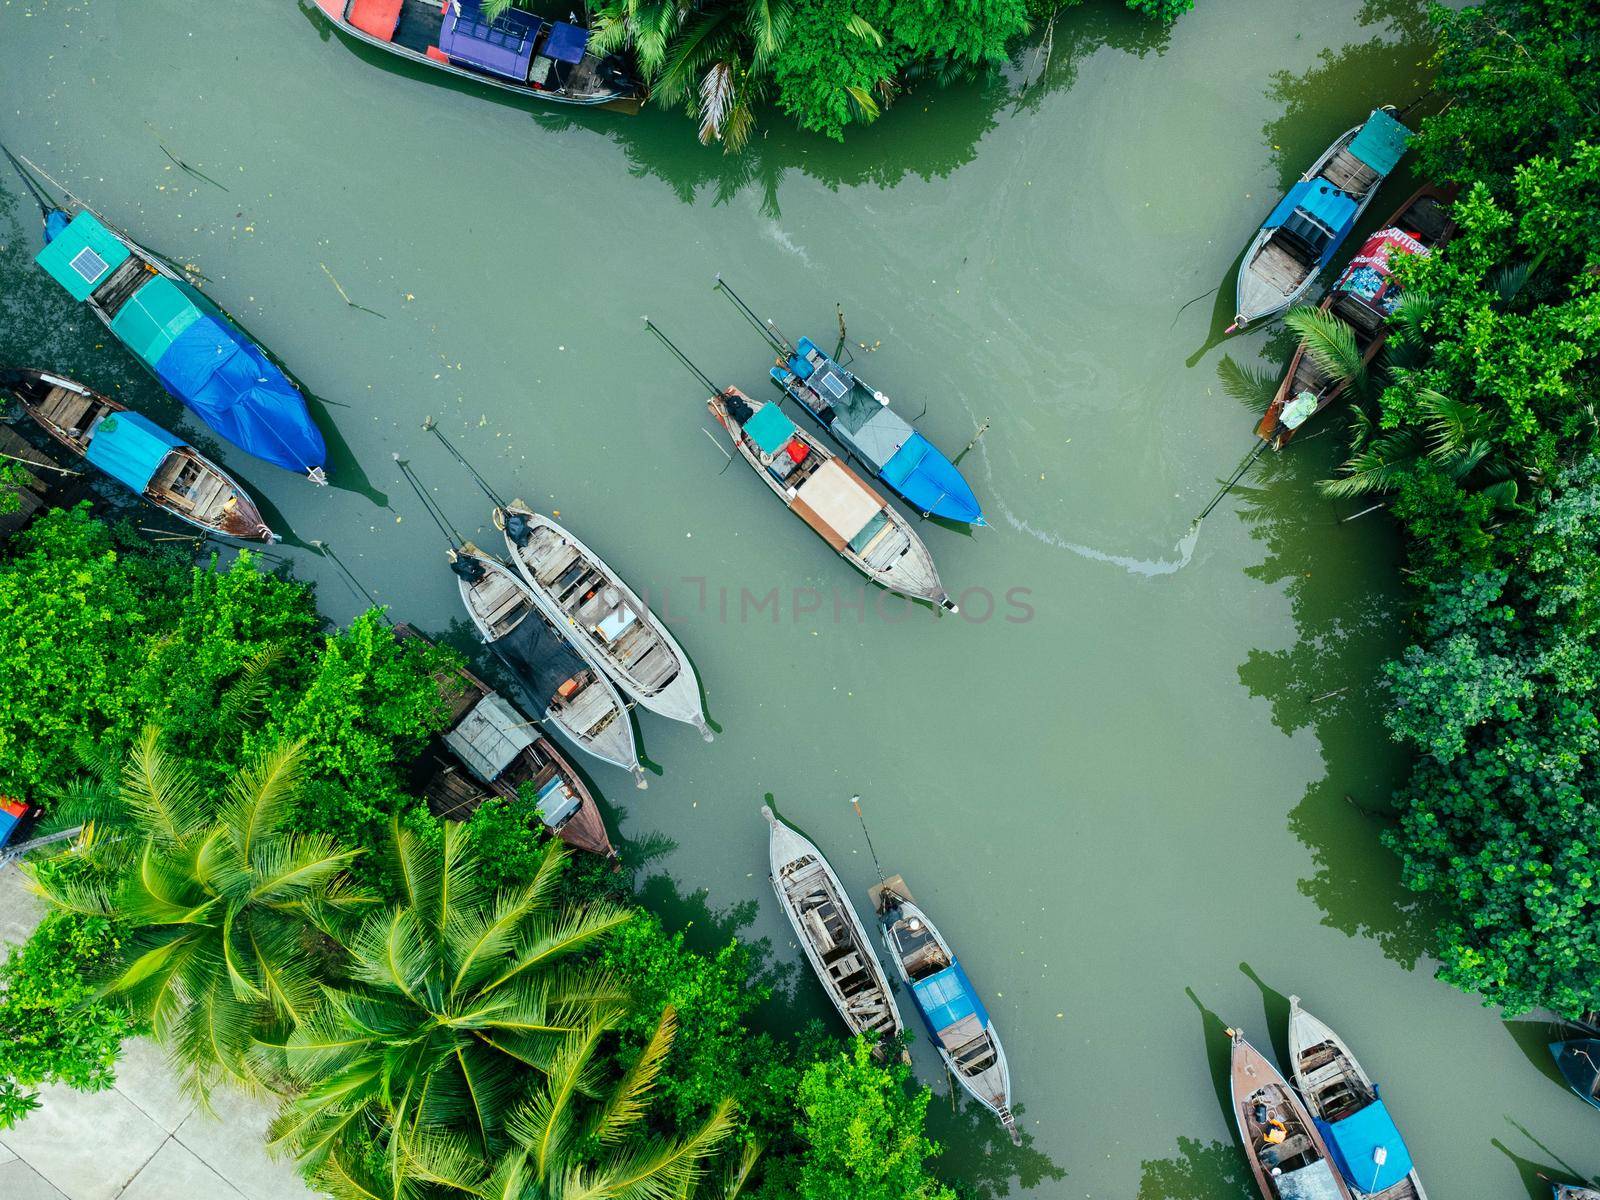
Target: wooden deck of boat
1349, 174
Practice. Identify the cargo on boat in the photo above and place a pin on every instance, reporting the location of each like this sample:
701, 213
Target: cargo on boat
515, 51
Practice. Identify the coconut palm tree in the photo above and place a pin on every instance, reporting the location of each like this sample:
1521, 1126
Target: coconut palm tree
227, 909
458, 1004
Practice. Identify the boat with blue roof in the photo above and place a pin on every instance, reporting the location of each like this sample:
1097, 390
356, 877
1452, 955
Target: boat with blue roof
949, 1005
1305, 230
196, 352
863, 420
1285, 1147
498, 44
1361, 1134
139, 454
1578, 1060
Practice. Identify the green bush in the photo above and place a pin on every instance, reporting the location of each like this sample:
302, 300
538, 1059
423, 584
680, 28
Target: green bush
52, 1026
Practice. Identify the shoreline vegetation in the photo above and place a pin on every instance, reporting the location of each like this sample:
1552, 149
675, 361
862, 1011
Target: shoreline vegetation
442, 1008
827, 64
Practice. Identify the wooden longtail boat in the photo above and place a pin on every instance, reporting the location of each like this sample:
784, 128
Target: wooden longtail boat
1302, 234
831, 498
1578, 1060
1571, 1191
191, 346
1362, 297
1287, 1155
948, 1003
580, 701
830, 932
516, 52
491, 749
1362, 1139
607, 620
865, 423
139, 454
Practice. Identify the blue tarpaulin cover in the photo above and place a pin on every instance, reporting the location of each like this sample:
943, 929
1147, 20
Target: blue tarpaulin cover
130, 447
1381, 142
769, 428
566, 43
948, 997
228, 381
80, 253
1316, 198
930, 482
1354, 1140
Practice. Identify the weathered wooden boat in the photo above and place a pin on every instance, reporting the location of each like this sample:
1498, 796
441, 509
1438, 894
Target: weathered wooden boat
1302, 234
580, 701
948, 1003
1578, 1060
139, 454
829, 497
1363, 297
192, 348
515, 51
864, 421
1343, 1101
830, 932
1573, 1191
491, 749
614, 628
1286, 1151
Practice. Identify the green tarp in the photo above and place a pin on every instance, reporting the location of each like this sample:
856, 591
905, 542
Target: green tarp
154, 317
82, 255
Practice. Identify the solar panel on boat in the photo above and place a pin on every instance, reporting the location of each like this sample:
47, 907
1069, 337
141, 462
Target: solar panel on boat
88, 264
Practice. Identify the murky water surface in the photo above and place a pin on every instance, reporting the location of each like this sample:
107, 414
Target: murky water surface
1133, 780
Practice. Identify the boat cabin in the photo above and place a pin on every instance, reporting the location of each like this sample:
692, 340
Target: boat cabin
497, 745
516, 47
857, 415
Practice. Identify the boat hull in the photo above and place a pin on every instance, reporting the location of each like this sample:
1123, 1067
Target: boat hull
1257, 1087
678, 698
239, 517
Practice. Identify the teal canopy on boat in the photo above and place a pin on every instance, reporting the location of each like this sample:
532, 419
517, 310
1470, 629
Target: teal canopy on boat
1356, 1142
770, 428
130, 448
1381, 142
82, 255
153, 318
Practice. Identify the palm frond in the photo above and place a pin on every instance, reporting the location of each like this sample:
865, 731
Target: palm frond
243, 702
660, 1170
1252, 387
863, 29
1330, 342
740, 1170
567, 934
716, 101
161, 795
625, 1106
1511, 279
256, 795
1376, 469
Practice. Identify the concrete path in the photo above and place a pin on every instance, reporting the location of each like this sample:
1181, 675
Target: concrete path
141, 1140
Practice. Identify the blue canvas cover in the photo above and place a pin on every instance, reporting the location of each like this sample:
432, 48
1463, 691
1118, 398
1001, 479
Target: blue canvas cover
229, 382
770, 428
130, 448
566, 43
1319, 199
79, 254
1353, 1141
948, 997
930, 482
1381, 142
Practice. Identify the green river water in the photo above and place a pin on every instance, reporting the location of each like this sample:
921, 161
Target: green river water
1143, 797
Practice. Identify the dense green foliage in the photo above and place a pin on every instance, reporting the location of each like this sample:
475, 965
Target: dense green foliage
865, 1132
827, 63
1482, 429
53, 1026
446, 1010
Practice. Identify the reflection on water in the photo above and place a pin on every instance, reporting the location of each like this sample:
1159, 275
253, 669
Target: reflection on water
1198, 1171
